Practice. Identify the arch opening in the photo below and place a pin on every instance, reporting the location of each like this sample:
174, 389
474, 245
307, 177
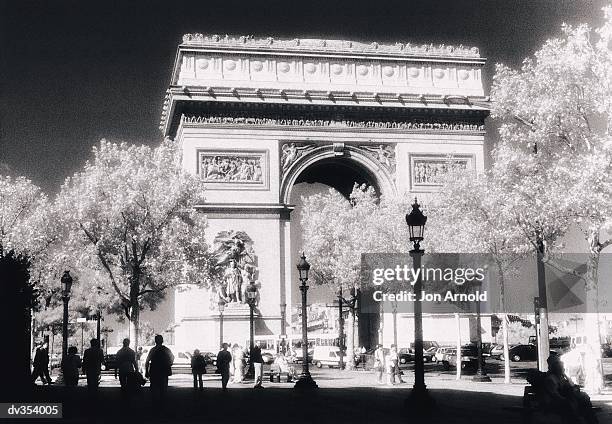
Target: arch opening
340, 174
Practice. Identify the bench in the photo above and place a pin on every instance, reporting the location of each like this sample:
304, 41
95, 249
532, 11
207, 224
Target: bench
531, 412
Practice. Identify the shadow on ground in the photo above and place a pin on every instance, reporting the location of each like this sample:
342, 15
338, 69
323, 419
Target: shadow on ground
341, 405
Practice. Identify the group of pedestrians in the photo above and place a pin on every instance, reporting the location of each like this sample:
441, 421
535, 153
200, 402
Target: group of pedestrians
387, 363
225, 360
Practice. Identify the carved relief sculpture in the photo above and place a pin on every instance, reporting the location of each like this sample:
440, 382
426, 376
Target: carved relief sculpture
229, 167
290, 152
234, 267
429, 170
384, 153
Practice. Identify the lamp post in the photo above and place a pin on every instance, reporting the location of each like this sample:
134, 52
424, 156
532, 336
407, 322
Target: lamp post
419, 398
221, 305
251, 293
66, 286
481, 373
340, 328
305, 381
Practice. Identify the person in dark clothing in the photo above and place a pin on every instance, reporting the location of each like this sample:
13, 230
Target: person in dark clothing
198, 367
562, 398
257, 361
41, 365
93, 358
70, 367
224, 358
158, 367
126, 363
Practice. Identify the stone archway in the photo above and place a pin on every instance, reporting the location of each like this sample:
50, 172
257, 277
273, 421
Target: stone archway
315, 172
364, 163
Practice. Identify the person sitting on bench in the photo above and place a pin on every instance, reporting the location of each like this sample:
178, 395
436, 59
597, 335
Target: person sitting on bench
561, 397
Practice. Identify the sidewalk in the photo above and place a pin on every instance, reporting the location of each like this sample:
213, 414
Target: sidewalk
342, 397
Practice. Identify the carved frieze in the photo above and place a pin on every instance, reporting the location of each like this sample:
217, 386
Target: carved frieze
432, 124
230, 168
427, 170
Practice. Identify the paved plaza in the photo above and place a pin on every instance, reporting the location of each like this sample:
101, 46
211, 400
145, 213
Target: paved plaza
342, 397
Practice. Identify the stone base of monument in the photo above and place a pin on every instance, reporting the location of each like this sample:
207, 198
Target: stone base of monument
203, 332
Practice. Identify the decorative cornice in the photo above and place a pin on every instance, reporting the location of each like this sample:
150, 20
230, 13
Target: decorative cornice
329, 46
414, 124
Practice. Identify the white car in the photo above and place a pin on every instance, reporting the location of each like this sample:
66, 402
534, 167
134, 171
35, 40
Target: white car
326, 355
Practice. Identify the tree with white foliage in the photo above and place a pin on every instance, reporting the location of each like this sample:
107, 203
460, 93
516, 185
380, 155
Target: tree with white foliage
554, 154
130, 215
474, 207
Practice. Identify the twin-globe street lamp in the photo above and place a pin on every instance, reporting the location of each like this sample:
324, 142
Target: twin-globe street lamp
305, 381
419, 398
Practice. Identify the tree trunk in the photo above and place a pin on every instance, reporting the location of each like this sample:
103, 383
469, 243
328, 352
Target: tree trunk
135, 324
350, 348
135, 308
593, 367
458, 347
504, 317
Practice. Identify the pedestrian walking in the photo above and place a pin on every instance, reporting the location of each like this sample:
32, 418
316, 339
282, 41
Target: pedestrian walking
397, 373
127, 365
379, 363
41, 365
158, 368
70, 367
140, 360
198, 367
257, 361
224, 358
93, 357
390, 367
238, 359
362, 357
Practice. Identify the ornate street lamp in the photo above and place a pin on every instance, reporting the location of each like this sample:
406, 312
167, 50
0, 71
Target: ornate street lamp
419, 398
66, 286
251, 293
221, 305
481, 373
305, 381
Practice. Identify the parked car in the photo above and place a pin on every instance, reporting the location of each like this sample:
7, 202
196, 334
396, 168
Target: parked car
522, 352
110, 362
327, 355
297, 357
469, 357
497, 351
405, 355
210, 358
441, 354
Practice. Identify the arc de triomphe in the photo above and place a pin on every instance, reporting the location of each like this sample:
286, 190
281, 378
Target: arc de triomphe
255, 117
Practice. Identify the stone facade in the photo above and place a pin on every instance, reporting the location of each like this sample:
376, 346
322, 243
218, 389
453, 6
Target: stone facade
253, 116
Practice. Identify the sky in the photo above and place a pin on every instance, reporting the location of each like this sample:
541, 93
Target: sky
73, 72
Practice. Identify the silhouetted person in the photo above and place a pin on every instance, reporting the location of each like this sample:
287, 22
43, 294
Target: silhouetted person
198, 367
224, 358
126, 363
158, 368
561, 397
93, 358
70, 367
41, 365
257, 361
